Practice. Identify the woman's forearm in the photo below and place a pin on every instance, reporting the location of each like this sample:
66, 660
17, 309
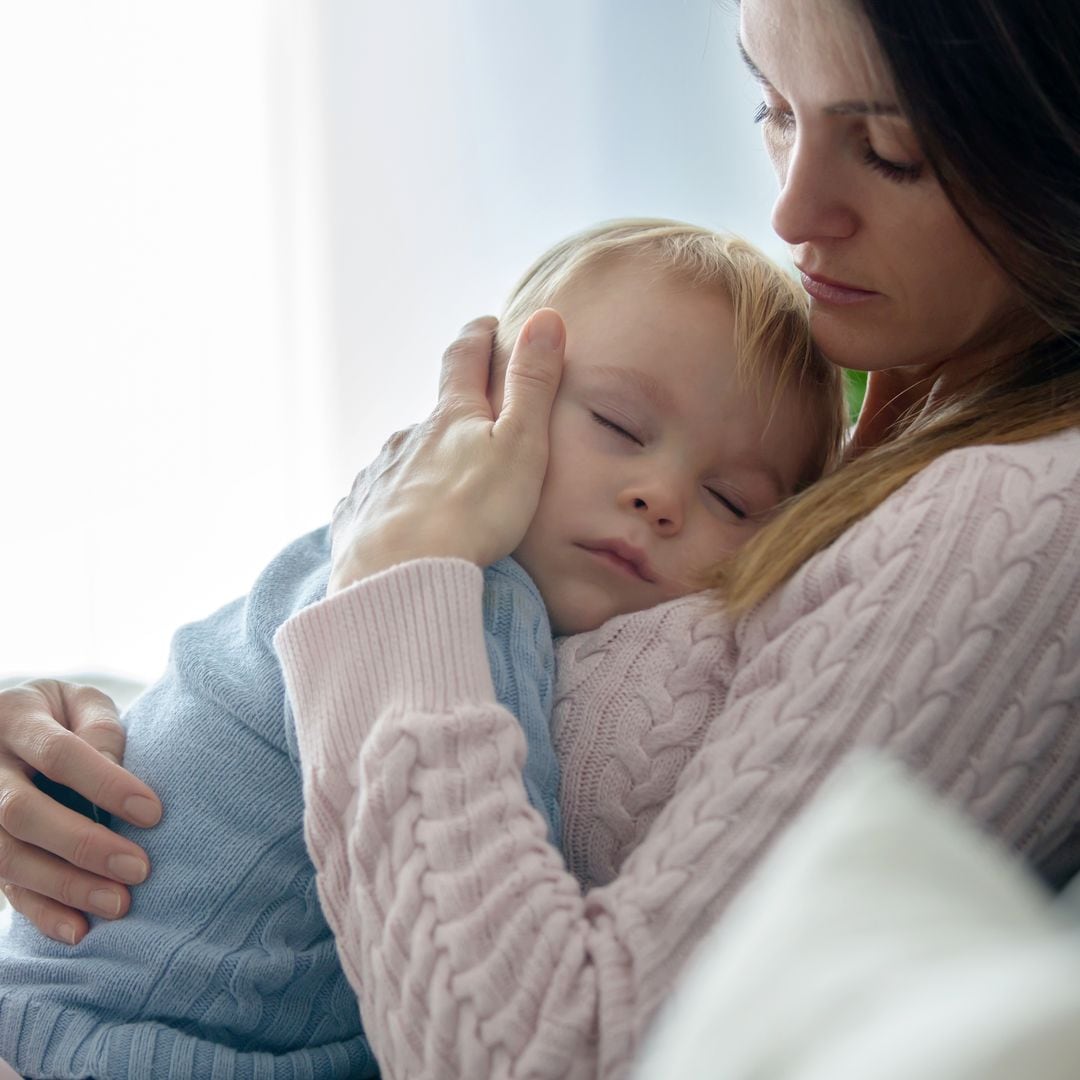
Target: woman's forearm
434, 871
933, 632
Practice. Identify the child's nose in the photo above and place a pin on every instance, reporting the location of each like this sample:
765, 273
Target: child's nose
661, 508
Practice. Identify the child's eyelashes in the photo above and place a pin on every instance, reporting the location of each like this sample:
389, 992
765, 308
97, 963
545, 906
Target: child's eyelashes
735, 509
604, 422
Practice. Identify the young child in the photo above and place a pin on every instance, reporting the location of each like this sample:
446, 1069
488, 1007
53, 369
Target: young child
692, 403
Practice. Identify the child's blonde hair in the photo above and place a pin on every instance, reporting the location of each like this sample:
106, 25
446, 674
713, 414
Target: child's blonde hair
772, 330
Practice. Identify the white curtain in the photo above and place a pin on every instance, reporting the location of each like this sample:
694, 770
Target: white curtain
162, 388
235, 236
465, 138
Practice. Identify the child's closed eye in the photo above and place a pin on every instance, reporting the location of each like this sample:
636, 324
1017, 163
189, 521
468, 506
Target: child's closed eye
604, 422
734, 507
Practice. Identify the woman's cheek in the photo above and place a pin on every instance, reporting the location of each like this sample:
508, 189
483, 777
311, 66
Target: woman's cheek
778, 151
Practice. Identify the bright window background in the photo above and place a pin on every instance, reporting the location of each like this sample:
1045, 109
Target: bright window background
237, 235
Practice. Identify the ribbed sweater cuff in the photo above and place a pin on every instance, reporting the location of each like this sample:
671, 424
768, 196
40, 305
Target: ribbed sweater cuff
408, 639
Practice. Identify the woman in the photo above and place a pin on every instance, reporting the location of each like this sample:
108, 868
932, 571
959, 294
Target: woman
924, 599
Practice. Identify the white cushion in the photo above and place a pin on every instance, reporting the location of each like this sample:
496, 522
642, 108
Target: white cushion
886, 938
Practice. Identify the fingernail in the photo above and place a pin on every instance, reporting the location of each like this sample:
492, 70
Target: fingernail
66, 932
9, 892
105, 901
141, 810
129, 869
545, 328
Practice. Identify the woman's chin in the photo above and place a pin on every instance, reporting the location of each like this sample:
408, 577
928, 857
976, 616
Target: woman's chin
849, 343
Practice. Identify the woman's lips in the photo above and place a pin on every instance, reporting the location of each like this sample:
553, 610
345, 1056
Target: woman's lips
834, 292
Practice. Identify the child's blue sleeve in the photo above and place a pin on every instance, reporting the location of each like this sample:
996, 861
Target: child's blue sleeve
521, 655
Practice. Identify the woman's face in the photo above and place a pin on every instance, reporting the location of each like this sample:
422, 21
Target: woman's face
896, 278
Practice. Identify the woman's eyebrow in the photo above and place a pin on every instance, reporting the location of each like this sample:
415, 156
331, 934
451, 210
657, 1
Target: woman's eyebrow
753, 68
863, 108
841, 108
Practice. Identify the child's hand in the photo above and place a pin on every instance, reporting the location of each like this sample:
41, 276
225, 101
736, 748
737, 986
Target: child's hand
55, 863
464, 483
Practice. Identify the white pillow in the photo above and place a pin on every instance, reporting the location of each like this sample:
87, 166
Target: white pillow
884, 938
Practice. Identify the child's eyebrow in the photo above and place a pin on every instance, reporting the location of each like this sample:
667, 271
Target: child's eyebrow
641, 381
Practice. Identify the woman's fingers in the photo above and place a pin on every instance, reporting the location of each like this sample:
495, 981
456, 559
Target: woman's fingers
54, 920
532, 380
31, 822
50, 878
56, 896
463, 377
93, 716
463, 484
56, 863
81, 755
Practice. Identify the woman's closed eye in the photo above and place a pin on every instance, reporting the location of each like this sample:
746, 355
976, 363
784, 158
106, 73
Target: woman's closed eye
901, 171
611, 425
773, 117
781, 122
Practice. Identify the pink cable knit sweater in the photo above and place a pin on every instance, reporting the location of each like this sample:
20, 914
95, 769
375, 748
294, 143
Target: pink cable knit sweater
944, 627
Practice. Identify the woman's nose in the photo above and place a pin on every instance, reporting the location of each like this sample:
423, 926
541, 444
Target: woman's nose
814, 201
661, 508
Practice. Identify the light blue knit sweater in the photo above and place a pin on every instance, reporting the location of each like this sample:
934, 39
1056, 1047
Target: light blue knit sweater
224, 966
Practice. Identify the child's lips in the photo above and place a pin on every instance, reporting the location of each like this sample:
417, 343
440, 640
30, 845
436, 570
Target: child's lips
620, 555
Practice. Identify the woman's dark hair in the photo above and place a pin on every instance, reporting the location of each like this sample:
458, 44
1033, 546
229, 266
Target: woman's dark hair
992, 90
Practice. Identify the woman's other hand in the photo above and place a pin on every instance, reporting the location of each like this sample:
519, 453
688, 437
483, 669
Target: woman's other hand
465, 483
55, 863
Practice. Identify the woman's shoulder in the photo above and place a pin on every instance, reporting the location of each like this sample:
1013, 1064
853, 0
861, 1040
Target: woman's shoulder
975, 498
1015, 473
960, 531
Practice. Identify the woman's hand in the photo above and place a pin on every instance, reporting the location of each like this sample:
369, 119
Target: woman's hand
55, 863
466, 482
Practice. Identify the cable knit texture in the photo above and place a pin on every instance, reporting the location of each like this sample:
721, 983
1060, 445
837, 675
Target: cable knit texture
945, 628
225, 967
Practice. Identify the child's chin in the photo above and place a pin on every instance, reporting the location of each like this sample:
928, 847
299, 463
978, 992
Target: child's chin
568, 623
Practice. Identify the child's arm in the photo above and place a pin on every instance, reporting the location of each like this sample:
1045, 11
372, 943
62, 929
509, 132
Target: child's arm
521, 655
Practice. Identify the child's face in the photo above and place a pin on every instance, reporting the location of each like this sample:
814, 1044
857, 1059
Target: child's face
660, 461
